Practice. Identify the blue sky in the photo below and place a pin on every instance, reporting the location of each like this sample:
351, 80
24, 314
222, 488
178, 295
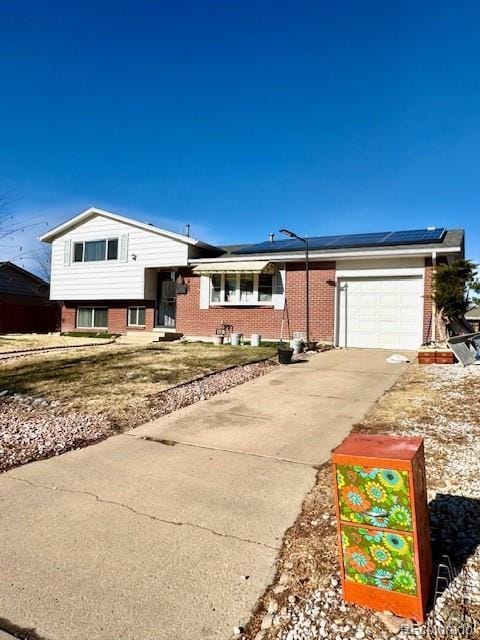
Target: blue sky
242, 117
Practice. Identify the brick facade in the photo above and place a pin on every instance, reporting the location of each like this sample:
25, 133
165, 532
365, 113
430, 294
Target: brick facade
193, 321
269, 322
117, 314
427, 301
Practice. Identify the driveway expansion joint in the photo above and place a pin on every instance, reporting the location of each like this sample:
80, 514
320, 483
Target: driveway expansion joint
142, 514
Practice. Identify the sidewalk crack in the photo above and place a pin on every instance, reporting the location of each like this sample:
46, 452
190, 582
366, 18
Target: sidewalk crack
142, 514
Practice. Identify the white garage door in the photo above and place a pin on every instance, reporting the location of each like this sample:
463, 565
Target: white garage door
381, 313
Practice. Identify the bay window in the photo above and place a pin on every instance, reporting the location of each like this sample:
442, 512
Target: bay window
92, 318
241, 289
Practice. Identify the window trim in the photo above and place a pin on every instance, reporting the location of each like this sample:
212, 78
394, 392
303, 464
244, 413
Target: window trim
137, 307
106, 259
255, 302
92, 326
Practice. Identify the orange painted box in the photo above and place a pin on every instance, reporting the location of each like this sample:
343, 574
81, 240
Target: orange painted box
383, 530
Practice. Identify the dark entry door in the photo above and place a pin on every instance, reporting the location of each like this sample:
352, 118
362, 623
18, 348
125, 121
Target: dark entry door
166, 300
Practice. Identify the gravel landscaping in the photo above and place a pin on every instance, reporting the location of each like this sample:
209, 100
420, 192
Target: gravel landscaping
34, 427
304, 602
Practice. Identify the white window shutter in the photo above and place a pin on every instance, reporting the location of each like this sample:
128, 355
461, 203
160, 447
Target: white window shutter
67, 250
279, 297
204, 292
124, 247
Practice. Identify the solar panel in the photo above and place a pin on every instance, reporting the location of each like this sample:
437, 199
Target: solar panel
381, 239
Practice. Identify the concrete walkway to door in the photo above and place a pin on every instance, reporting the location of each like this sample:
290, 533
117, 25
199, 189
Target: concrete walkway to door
171, 531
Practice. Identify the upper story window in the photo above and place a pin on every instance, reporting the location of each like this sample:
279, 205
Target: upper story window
95, 250
241, 289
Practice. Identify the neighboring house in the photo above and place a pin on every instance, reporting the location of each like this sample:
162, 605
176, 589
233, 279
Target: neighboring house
24, 302
366, 290
473, 318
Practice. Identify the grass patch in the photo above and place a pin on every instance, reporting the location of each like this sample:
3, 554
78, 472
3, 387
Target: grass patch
112, 378
22, 341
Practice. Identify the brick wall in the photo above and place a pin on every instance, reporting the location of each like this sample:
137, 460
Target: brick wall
193, 321
117, 314
427, 301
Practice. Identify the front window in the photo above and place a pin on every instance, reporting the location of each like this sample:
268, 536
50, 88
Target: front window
230, 288
265, 287
92, 318
246, 287
95, 250
216, 291
241, 289
136, 316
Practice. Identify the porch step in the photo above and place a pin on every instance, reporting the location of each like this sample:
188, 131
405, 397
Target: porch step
167, 336
147, 337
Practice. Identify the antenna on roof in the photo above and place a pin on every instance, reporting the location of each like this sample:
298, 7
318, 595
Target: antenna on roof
186, 231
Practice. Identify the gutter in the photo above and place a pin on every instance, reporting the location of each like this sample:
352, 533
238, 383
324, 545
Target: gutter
288, 257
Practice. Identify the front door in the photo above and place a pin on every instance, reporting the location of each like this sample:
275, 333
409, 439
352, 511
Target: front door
166, 300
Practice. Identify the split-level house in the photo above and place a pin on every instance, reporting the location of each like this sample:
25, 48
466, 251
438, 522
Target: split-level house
113, 273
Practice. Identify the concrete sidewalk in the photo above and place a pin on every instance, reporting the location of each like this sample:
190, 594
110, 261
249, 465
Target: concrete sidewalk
139, 540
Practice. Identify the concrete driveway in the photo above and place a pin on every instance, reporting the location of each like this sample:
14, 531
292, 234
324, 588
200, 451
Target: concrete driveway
139, 539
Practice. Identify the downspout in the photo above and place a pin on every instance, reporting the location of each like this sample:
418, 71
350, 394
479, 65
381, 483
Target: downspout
434, 309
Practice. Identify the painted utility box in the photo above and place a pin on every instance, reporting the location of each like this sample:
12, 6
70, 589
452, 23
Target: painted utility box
383, 530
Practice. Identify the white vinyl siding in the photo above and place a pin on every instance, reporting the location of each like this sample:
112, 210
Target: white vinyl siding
121, 279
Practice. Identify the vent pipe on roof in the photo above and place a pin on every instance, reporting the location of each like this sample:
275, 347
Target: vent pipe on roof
186, 231
271, 237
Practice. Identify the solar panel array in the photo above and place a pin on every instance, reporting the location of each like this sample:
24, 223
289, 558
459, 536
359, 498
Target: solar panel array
357, 240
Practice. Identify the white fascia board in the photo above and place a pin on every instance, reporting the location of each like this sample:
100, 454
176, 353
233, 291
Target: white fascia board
287, 257
51, 235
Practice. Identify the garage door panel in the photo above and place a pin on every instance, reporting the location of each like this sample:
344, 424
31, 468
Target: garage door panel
386, 313
367, 312
382, 313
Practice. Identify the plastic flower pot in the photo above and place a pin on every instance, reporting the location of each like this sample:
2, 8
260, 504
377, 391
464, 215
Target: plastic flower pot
285, 355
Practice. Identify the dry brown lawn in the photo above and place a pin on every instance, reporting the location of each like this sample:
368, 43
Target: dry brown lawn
112, 378
19, 341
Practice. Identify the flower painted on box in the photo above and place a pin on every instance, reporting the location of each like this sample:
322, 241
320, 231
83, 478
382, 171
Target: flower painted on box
360, 560
379, 559
381, 555
377, 497
355, 498
396, 543
401, 516
391, 478
403, 580
376, 492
